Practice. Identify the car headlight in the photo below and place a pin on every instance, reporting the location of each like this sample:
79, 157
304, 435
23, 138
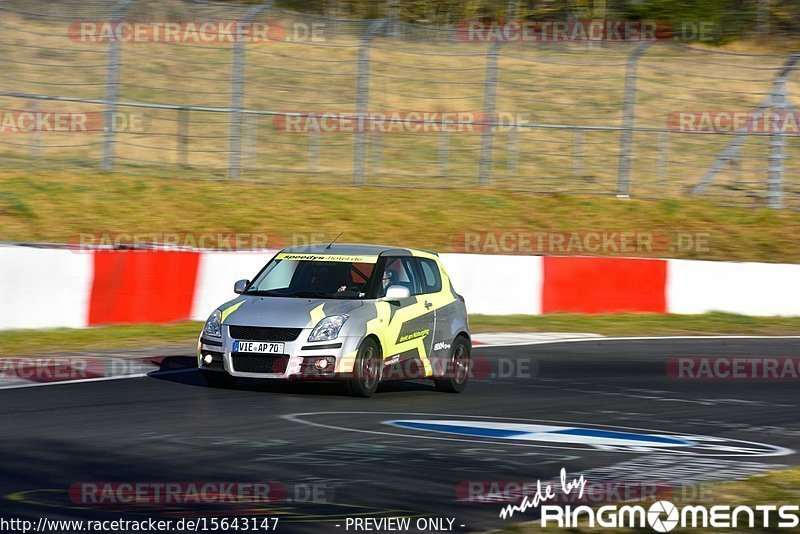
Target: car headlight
328, 328
213, 325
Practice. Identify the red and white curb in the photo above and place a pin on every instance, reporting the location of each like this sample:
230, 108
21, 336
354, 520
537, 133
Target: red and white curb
58, 287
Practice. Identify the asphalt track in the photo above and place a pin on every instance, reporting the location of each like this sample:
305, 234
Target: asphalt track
170, 427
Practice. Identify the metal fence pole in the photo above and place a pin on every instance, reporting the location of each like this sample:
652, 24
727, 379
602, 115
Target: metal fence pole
237, 90
362, 103
628, 121
489, 109
578, 170
36, 134
393, 13
112, 89
443, 152
762, 19
183, 137
313, 150
512, 148
777, 143
662, 161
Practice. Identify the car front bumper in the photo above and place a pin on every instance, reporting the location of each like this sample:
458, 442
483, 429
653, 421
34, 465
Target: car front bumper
298, 355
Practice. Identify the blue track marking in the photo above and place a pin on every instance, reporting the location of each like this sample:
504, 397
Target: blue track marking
463, 430
487, 430
650, 438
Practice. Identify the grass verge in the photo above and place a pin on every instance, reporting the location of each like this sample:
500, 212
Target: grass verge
59, 207
122, 336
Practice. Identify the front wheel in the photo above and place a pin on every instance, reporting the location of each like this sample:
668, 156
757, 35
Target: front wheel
457, 371
217, 379
367, 370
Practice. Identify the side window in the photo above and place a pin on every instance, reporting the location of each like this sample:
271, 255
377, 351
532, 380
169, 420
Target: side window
431, 278
400, 271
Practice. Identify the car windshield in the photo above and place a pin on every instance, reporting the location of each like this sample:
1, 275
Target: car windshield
315, 276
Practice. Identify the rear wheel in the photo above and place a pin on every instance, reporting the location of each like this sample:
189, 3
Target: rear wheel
458, 367
217, 379
367, 370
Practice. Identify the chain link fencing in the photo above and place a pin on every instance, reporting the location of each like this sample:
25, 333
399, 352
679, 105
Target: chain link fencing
249, 92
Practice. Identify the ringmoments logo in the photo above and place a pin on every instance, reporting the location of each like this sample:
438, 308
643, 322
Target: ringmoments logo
660, 516
664, 516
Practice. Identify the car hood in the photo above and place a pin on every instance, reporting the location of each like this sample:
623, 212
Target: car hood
283, 312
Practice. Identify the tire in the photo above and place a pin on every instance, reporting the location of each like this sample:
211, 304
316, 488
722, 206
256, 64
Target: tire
367, 370
456, 375
217, 379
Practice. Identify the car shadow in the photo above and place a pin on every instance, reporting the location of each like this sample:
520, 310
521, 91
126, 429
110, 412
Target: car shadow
183, 370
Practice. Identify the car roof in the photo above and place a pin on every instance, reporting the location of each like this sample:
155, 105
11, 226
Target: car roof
353, 249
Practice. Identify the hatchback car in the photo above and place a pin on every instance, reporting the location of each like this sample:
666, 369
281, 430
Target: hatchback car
359, 314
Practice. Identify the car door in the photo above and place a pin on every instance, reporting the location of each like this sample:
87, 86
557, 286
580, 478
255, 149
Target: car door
437, 297
407, 336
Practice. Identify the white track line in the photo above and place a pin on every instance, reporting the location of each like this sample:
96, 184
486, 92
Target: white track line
97, 379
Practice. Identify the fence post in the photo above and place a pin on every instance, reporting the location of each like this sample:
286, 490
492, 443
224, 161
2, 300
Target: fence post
662, 161
112, 89
36, 134
362, 103
578, 170
443, 152
183, 137
313, 150
237, 91
777, 142
393, 13
489, 108
628, 121
512, 148
762, 19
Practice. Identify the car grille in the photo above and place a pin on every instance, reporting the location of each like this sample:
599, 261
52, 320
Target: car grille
259, 363
264, 333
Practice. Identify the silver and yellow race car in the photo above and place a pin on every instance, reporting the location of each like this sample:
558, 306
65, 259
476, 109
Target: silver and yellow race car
360, 314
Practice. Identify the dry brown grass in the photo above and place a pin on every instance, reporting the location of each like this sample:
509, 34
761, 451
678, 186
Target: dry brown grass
569, 85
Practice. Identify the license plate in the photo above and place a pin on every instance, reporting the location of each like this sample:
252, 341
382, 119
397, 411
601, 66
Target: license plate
258, 346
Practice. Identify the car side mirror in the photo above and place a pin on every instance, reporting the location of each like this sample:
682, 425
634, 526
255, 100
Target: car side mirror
397, 292
240, 286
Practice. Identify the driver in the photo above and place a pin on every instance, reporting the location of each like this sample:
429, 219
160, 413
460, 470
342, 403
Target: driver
388, 276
